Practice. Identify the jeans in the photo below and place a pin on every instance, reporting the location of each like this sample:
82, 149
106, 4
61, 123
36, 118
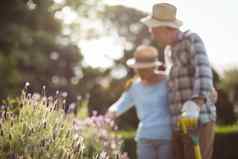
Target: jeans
154, 149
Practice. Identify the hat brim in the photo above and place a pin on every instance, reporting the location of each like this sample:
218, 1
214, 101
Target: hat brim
152, 23
136, 65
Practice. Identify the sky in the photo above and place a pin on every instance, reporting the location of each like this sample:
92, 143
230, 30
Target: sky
216, 21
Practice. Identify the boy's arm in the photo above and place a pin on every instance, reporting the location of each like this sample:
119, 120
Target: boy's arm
124, 103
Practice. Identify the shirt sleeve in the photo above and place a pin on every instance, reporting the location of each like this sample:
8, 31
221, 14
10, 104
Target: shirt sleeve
203, 79
124, 103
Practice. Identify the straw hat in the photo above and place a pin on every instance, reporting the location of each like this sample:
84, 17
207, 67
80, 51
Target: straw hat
163, 14
144, 57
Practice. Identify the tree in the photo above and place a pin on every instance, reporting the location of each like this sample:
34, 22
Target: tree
229, 84
33, 48
228, 95
125, 22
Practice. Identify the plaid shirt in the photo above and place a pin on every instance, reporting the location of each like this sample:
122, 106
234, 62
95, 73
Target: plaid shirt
190, 76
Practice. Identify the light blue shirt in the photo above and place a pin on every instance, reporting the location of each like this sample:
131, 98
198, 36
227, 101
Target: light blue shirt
151, 103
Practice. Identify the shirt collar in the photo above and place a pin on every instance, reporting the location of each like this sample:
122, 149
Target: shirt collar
180, 37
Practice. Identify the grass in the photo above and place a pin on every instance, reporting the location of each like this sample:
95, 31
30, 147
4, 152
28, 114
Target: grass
220, 129
127, 134
227, 129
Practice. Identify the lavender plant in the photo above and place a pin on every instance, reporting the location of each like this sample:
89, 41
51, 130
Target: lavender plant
42, 130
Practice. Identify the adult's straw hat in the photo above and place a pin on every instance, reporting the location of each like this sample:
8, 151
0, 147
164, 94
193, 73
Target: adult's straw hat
163, 14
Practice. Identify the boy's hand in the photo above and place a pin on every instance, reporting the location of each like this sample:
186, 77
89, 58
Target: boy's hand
111, 115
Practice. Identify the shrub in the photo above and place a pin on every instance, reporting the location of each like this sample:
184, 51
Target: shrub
40, 129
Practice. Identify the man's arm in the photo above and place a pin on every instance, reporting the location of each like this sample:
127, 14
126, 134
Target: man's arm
202, 84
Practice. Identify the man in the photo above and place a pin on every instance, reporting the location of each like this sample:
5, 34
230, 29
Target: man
190, 78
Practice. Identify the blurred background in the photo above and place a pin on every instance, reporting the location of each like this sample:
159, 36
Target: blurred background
80, 47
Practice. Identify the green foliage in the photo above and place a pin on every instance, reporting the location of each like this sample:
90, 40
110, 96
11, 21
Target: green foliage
225, 109
40, 129
229, 84
30, 44
126, 22
221, 129
227, 97
127, 134
37, 132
